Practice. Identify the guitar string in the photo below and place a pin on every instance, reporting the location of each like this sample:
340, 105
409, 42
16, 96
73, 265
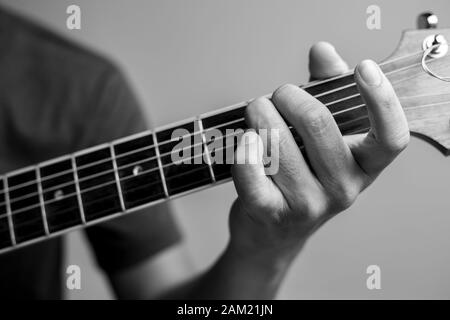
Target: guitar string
70, 171
90, 177
141, 173
129, 165
175, 176
162, 155
169, 178
317, 83
17, 199
110, 196
199, 132
134, 151
56, 187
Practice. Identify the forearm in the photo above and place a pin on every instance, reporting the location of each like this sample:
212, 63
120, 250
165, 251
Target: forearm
237, 276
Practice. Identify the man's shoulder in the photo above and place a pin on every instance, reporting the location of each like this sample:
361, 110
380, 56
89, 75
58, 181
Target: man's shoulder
37, 43
57, 83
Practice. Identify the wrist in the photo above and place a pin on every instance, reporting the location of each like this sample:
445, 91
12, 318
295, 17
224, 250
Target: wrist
265, 261
261, 243
249, 275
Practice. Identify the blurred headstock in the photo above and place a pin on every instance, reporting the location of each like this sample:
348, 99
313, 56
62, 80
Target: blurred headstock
424, 97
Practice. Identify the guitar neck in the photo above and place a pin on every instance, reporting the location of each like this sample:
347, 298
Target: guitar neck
123, 176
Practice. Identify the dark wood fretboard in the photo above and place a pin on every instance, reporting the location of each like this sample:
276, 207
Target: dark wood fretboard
126, 175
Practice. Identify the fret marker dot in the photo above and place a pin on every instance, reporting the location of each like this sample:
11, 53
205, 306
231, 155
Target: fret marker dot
137, 170
58, 195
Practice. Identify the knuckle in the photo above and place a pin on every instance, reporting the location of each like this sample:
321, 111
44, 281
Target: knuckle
308, 111
255, 109
312, 208
264, 205
283, 91
343, 196
316, 118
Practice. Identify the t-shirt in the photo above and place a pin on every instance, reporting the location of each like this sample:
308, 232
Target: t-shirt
57, 98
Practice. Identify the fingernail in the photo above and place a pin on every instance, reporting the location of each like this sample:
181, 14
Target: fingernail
370, 73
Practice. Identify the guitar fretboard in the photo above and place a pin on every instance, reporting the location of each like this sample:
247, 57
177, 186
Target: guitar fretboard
126, 175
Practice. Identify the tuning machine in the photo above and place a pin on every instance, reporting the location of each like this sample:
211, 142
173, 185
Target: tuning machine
435, 44
427, 20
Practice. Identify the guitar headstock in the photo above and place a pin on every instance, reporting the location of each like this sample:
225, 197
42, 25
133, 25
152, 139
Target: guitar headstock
424, 96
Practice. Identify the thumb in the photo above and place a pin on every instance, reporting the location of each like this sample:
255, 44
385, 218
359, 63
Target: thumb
325, 62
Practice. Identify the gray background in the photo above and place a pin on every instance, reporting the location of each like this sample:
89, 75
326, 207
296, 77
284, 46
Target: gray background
185, 57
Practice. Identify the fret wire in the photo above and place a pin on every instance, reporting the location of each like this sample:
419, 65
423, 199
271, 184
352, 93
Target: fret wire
160, 166
208, 157
116, 174
9, 213
41, 200
77, 190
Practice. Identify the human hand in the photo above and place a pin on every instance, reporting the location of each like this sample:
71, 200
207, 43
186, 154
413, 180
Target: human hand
273, 216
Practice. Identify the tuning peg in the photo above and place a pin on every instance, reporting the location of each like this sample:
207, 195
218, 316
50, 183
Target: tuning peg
427, 20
